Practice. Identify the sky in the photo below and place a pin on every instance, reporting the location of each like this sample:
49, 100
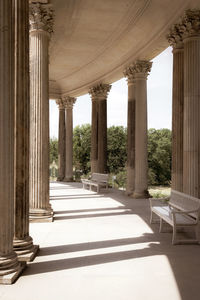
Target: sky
159, 99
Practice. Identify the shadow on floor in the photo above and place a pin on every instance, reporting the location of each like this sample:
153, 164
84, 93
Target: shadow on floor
184, 259
87, 210
92, 215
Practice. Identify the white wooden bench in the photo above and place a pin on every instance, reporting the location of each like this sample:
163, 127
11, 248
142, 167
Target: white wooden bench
98, 180
181, 211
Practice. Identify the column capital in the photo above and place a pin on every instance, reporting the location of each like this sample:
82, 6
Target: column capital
190, 24
68, 102
41, 17
60, 104
129, 73
175, 37
142, 68
100, 91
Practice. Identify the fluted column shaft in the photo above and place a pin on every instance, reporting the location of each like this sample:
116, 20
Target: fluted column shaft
8, 258
23, 243
99, 95
191, 144
61, 141
39, 106
102, 136
68, 103
176, 42
94, 136
130, 182
142, 68
177, 120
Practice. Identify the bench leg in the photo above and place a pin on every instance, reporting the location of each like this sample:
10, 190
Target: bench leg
152, 219
97, 188
174, 241
161, 225
197, 233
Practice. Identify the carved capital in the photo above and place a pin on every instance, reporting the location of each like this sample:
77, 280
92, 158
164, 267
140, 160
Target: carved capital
60, 104
100, 91
142, 68
175, 37
41, 17
129, 73
68, 102
190, 25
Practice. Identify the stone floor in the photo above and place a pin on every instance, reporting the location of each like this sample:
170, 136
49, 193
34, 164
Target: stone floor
101, 246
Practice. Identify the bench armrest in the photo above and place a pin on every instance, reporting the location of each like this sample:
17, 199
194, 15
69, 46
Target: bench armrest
174, 209
186, 212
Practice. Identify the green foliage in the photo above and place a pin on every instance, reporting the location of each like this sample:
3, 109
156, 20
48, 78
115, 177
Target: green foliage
82, 148
159, 156
159, 153
120, 180
160, 192
116, 148
53, 146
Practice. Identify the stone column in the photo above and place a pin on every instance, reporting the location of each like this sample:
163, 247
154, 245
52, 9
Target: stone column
130, 183
68, 102
94, 136
176, 42
23, 243
41, 23
61, 141
142, 69
190, 29
10, 268
99, 95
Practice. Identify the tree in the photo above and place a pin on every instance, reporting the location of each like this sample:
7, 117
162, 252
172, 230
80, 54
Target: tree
82, 148
159, 156
116, 148
53, 146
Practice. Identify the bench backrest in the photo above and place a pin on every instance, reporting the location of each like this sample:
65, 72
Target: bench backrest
184, 201
99, 177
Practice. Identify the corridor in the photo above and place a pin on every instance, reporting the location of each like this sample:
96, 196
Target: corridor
101, 246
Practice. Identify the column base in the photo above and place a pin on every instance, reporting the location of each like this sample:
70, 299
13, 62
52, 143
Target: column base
68, 179
12, 277
129, 193
25, 249
37, 215
60, 179
30, 256
141, 195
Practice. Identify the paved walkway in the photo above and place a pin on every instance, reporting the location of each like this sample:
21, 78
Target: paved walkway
102, 247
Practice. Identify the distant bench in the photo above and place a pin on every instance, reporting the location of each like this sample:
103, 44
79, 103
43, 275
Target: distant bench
98, 180
181, 211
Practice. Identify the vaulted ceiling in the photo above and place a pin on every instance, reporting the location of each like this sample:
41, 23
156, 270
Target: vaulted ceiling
94, 40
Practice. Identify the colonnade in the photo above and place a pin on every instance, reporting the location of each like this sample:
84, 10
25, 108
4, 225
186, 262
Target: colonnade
185, 40
24, 124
